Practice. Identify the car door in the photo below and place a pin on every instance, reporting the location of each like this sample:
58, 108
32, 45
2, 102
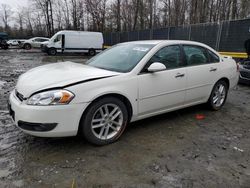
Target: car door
58, 42
202, 72
36, 42
163, 90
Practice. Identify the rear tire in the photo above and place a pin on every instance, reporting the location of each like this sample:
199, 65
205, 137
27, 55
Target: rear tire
218, 95
92, 52
104, 121
27, 46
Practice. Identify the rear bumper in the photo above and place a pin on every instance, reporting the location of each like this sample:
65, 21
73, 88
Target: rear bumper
234, 81
46, 121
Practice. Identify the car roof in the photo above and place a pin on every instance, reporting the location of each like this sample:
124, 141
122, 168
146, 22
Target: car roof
170, 42
73, 32
39, 38
165, 42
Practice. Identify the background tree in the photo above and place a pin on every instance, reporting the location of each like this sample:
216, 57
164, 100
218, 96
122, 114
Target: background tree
5, 14
45, 17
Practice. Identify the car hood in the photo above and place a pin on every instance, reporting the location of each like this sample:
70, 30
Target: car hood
58, 75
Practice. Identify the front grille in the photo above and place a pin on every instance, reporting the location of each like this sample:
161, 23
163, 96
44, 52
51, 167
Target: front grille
245, 74
19, 96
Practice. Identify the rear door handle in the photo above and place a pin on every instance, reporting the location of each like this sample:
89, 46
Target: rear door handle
213, 69
178, 75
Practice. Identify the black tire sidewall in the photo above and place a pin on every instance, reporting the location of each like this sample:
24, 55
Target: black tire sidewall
27, 46
210, 101
92, 52
53, 50
87, 118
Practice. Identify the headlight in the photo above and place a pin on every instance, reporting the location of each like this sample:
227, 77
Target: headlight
54, 97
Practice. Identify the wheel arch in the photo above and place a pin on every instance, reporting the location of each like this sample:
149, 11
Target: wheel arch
225, 80
26, 43
121, 97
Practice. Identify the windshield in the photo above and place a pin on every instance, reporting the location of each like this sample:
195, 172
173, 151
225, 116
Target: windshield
120, 58
58, 38
53, 37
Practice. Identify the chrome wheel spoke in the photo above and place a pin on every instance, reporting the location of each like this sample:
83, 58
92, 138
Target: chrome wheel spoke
106, 132
114, 128
106, 110
101, 132
218, 103
98, 125
221, 89
116, 123
113, 111
116, 115
102, 112
215, 99
107, 121
97, 120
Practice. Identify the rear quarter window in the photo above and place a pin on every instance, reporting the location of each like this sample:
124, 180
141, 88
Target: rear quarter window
213, 58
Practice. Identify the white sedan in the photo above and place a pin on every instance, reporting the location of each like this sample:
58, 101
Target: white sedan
128, 82
33, 42
13, 42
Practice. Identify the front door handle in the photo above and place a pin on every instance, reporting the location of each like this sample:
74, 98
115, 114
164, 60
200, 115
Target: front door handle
213, 69
178, 75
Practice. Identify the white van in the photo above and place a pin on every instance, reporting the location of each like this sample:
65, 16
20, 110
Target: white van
75, 41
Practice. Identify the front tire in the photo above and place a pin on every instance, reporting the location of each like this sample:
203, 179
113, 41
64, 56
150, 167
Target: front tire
218, 95
52, 51
105, 121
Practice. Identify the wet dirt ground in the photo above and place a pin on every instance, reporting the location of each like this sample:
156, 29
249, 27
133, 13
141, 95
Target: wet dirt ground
171, 150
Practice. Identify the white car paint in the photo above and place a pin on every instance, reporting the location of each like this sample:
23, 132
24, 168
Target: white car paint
44, 43
35, 42
149, 94
13, 42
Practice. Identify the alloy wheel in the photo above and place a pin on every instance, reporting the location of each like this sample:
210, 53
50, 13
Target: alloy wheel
107, 121
219, 95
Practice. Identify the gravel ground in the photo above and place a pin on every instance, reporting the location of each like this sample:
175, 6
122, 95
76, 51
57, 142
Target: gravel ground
171, 150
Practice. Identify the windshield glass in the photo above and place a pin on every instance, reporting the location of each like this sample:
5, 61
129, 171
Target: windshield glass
120, 58
53, 37
58, 38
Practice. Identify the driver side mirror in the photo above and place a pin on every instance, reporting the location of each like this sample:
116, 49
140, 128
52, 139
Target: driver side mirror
156, 67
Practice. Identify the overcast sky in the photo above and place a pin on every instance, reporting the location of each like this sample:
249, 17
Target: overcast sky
15, 3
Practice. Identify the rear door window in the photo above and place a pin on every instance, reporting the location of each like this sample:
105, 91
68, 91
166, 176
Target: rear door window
195, 55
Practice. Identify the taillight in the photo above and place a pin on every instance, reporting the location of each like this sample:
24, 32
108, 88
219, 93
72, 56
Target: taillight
238, 67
